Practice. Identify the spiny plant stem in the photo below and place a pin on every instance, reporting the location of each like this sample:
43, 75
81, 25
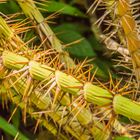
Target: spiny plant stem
19, 61
67, 83
42, 102
30, 10
16, 99
21, 65
129, 25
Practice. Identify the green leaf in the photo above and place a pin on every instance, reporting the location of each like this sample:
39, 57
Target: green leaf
16, 117
79, 28
123, 138
53, 6
11, 6
102, 69
50, 6
81, 49
96, 45
10, 129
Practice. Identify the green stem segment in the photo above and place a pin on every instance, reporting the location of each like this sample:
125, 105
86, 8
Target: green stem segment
127, 107
97, 95
92, 93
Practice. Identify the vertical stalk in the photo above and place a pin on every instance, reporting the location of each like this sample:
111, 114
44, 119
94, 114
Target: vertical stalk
30, 10
127, 22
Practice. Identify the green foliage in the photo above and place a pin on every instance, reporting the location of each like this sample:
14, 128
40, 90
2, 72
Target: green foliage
81, 49
49, 7
68, 33
11, 130
53, 6
123, 138
11, 5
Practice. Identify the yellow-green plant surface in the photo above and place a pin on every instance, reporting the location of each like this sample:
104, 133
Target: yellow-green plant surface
31, 10
32, 80
43, 101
